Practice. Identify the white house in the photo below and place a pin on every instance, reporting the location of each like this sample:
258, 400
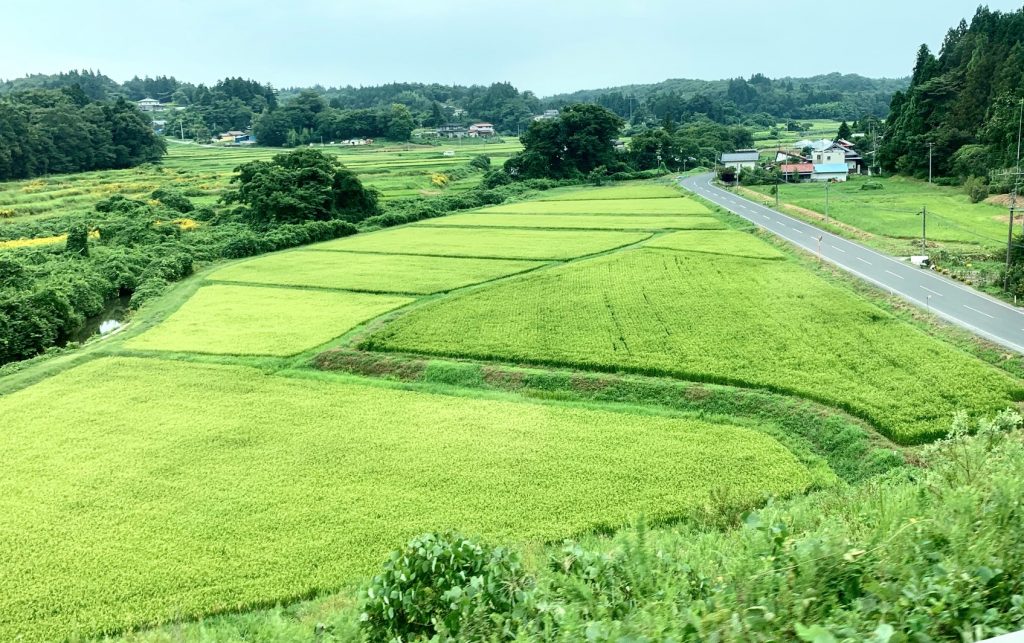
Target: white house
150, 105
832, 154
741, 159
547, 115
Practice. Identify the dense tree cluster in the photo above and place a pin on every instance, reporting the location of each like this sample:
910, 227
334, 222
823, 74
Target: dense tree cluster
307, 118
303, 185
45, 131
965, 102
576, 143
231, 104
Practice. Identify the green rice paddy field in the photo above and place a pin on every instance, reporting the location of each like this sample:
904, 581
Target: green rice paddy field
198, 463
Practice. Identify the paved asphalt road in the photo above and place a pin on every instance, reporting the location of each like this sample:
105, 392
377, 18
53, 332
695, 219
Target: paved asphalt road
952, 301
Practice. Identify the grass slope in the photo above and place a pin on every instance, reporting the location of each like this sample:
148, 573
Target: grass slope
138, 490
576, 221
720, 319
369, 272
893, 211
501, 243
246, 320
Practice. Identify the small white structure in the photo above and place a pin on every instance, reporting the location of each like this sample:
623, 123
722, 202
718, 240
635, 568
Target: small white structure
150, 105
448, 153
830, 172
741, 159
547, 115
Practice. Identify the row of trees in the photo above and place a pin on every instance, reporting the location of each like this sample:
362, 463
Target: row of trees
964, 103
582, 142
759, 99
46, 131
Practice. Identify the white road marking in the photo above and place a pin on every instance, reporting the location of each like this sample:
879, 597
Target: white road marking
979, 312
837, 248
895, 275
937, 294
863, 259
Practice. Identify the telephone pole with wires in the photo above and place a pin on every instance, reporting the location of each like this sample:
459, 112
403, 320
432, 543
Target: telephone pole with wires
930, 147
1013, 198
924, 229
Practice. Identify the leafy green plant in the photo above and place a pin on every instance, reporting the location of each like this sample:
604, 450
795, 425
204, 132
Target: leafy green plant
446, 584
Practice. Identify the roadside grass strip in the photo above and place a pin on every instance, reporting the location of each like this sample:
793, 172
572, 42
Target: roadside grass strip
729, 320
369, 272
139, 491
576, 221
719, 242
673, 205
249, 320
498, 243
626, 191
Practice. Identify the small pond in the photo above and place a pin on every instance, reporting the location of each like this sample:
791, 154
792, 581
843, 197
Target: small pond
107, 321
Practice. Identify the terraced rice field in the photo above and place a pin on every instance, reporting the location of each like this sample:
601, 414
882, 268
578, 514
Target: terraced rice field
369, 272
500, 243
247, 320
635, 190
151, 484
204, 172
139, 490
607, 205
721, 319
485, 218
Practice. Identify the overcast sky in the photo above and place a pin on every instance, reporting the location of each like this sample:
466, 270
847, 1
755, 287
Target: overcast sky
548, 46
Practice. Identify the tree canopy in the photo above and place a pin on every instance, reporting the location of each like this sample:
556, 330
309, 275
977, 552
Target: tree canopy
298, 186
569, 146
46, 131
969, 95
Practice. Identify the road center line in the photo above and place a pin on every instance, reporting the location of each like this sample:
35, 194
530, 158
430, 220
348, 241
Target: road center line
863, 259
837, 248
979, 312
895, 275
937, 294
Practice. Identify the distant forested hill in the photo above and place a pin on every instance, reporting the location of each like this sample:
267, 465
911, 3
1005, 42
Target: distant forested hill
965, 102
834, 96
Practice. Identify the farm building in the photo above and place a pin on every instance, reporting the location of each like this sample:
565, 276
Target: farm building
830, 172
794, 172
150, 105
451, 130
547, 115
483, 130
741, 159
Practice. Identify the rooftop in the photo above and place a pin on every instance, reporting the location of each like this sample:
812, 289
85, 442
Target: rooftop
831, 168
742, 156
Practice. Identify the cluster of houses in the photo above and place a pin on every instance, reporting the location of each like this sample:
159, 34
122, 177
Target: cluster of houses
823, 160
235, 137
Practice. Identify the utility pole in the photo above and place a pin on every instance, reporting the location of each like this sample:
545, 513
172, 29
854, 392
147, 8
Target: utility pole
776, 191
182, 125
826, 200
1013, 198
930, 146
924, 229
